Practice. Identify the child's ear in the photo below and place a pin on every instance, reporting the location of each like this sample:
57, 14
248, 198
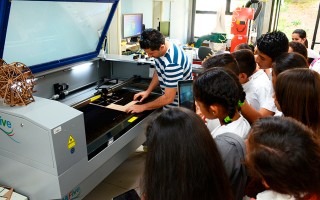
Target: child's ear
243, 78
214, 109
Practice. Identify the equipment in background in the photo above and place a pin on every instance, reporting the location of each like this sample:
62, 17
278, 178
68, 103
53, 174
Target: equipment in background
132, 26
217, 41
241, 25
218, 37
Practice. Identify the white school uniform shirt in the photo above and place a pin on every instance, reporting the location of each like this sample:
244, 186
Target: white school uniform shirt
312, 54
212, 124
259, 91
278, 113
315, 65
269, 194
239, 127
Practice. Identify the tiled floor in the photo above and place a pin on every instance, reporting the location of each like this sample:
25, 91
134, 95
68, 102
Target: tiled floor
125, 177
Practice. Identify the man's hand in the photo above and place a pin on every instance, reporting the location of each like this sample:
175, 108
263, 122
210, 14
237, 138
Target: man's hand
141, 96
136, 109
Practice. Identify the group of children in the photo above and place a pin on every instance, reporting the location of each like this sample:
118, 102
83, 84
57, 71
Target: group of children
250, 127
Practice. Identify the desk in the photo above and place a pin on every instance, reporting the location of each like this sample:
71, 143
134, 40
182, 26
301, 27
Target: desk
127, 59
132, 47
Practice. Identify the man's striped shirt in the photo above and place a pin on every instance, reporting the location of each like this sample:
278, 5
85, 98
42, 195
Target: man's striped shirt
171, 68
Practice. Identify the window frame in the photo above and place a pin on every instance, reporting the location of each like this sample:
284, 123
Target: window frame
195, 12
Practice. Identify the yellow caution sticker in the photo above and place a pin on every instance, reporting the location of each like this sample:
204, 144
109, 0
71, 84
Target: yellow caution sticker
71, 142
132, 119
95, 98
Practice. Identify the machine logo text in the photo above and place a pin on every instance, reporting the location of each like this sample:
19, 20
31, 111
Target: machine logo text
6, 128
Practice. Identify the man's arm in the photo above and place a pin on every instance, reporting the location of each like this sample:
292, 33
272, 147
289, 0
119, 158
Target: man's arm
166, 98
144, 94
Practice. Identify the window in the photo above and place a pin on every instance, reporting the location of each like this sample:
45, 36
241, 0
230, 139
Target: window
207, 12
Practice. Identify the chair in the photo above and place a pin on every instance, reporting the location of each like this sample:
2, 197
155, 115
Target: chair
203, 52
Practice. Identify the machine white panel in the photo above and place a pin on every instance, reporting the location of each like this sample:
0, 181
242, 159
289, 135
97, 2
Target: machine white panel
24, 141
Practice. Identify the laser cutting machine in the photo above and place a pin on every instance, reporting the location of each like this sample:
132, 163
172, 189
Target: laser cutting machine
70, 138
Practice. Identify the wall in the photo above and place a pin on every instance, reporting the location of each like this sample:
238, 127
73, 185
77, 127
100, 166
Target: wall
114, 33
180, 14
141, 6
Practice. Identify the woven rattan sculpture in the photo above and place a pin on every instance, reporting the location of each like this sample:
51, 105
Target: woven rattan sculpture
16, 83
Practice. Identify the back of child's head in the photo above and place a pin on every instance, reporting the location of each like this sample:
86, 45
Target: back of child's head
299, 48
288, 61
244, 46
225, 60
273, 44
246, 62
219, 86
180, 150
284, 153
297, 94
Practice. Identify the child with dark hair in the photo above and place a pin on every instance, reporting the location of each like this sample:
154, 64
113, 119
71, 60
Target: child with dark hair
297, 96
246, 63
287, 61
298, 48
183, 161
285, 155
244, 46
225, 60
218, 94
269, 47
255, 82
300, 35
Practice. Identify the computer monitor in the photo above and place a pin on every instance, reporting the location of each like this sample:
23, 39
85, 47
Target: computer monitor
164, 28
132, 26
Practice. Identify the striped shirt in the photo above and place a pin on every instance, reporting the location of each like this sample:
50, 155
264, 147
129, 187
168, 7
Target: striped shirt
171, 68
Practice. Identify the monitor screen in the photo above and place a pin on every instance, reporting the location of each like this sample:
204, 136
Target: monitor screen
132, 25
185, 94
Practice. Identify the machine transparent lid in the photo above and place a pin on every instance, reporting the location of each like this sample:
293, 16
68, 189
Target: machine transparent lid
49, 34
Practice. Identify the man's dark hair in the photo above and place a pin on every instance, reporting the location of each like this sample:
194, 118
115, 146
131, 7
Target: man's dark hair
151, 39
273, 44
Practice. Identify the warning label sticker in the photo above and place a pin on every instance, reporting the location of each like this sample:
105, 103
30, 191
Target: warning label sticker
71, 142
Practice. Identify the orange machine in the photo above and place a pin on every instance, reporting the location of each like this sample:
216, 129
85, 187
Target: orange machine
241, 21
